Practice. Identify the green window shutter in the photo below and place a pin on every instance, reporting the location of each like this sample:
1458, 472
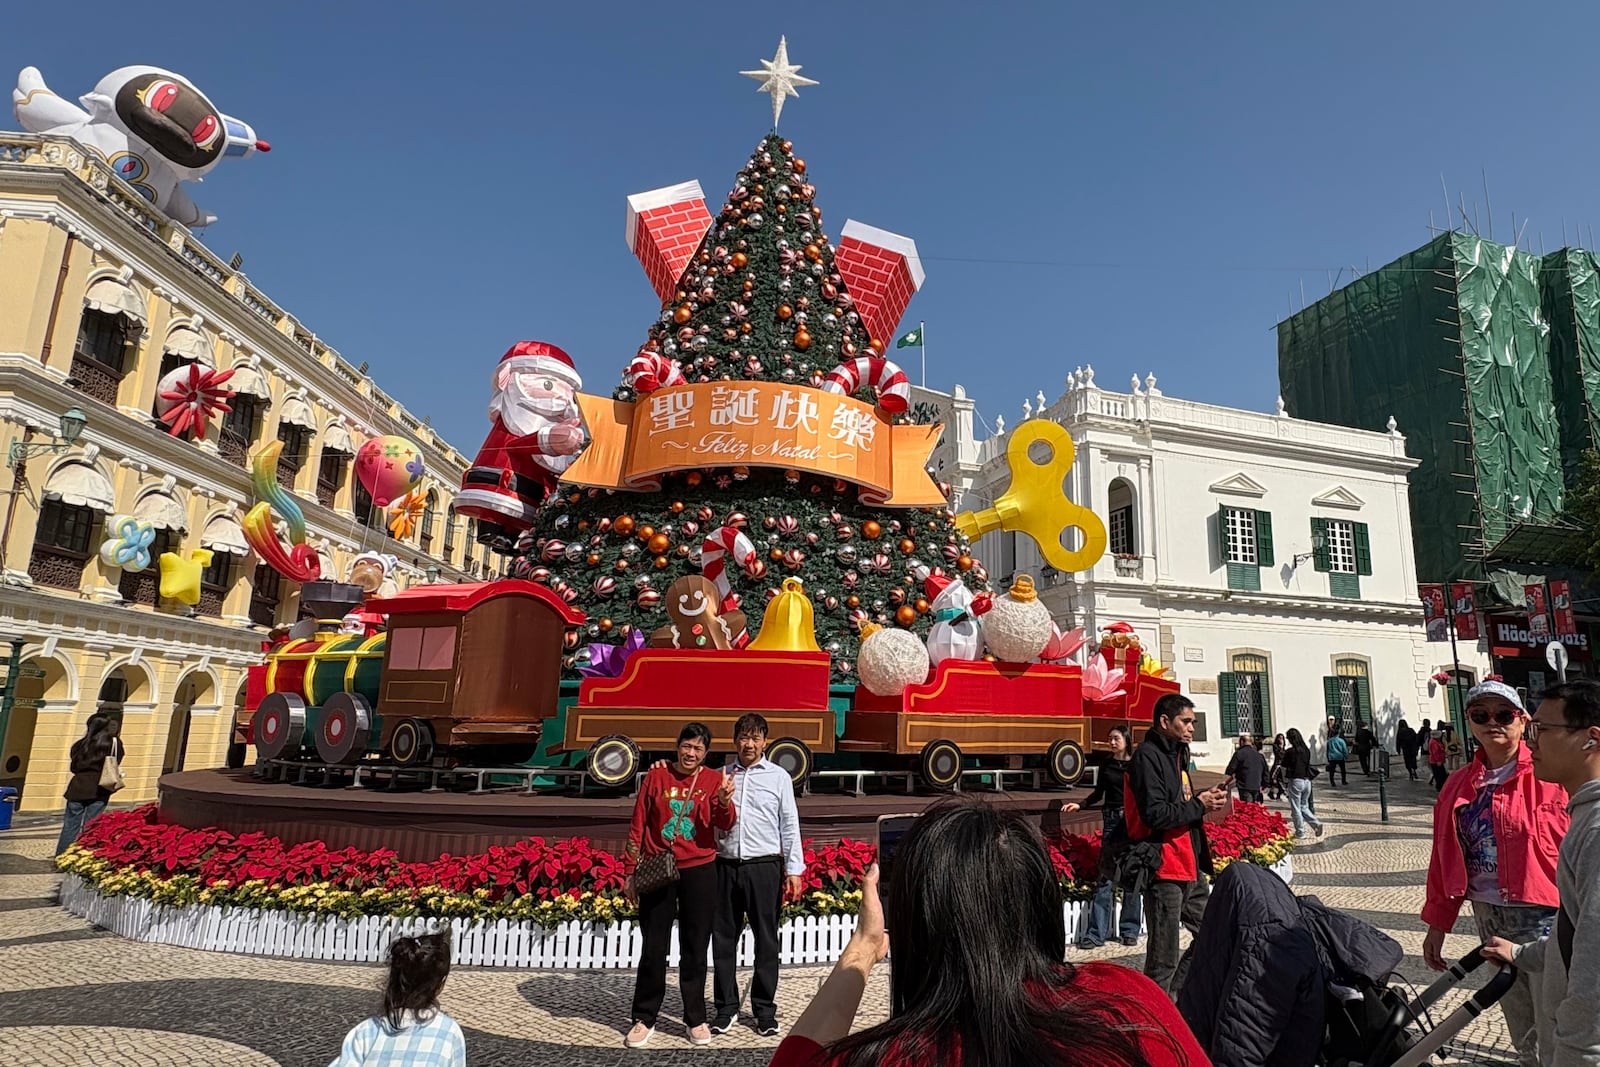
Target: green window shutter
1321, 554
1222, 534
1363, 549
1345, 586
1245, 577
1363, 701
1228, 689
1264, 555
1332, 701
1264, 689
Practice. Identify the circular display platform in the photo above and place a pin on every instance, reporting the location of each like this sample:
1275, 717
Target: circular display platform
419, 825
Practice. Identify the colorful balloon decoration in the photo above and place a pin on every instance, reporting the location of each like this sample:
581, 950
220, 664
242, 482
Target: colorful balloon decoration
298, 563
389, 467
129, 544
180, 578
406, 513
196, 393
153, 127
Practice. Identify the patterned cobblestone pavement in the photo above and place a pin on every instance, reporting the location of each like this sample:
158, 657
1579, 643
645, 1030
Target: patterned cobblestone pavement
71, 994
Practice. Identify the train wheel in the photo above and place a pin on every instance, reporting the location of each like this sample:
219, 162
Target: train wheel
412, 743
280, 725
612, 761
1065, 762
793, 756
345, 732
940, 764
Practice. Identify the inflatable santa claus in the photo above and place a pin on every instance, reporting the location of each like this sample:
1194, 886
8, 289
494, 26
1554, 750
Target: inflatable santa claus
535, 433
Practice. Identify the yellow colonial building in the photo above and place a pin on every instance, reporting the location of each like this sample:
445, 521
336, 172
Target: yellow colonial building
100, 296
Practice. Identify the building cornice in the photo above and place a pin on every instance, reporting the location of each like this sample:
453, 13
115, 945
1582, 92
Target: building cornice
75, 619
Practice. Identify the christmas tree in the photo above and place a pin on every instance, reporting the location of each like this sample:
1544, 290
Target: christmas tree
762, 298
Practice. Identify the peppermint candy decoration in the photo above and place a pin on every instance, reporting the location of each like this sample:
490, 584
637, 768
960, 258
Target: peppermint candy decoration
648, 598
520, 567
894, 388
554, 550
539, 574
649, 371
788, 525
604, 587
880, 563
794, 559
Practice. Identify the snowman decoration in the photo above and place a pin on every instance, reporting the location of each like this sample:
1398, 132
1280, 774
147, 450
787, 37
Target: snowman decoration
954, 634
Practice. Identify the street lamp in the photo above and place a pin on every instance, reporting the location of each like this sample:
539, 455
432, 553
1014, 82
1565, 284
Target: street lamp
1316, 546
72, 423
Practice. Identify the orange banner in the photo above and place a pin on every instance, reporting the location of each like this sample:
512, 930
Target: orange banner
755, 424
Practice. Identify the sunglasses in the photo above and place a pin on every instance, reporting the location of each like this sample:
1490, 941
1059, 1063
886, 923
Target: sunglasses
1503, 717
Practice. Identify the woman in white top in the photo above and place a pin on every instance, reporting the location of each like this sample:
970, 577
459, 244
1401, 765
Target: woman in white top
412, 1031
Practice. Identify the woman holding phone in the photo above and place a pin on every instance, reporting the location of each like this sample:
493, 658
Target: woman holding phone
978, 975
672, 875
1108, 793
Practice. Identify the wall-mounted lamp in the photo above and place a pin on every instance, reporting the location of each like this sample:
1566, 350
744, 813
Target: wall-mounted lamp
72, 423
1316, 546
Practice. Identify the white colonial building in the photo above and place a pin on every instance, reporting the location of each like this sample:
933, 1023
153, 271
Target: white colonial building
1266, 560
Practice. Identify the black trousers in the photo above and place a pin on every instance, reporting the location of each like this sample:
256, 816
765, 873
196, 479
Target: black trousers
1252, 796
1365, 759
691, 900
1411, 764
1439, 775
1337, 767
752, 892
1168, 906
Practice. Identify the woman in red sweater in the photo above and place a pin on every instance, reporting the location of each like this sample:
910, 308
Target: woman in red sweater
978, 976
680, 806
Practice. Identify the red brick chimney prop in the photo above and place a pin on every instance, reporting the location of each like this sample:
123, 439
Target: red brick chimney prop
881, 271
665, 227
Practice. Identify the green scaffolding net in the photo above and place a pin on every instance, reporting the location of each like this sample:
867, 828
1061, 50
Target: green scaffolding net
1455, 341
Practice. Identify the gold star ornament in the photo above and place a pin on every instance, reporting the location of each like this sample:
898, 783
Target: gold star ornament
779, 79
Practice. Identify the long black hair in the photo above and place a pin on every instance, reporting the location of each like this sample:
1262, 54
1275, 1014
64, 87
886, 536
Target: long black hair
418, 967
96, 742
978, 975
1297, 742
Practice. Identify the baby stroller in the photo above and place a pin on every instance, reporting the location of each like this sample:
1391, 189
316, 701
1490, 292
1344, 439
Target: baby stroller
1286, 981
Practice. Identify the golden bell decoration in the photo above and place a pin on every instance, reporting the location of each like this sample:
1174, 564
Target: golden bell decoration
788, 625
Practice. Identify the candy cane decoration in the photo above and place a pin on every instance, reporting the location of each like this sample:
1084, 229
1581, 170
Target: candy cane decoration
713, 563
894, 388
650, 371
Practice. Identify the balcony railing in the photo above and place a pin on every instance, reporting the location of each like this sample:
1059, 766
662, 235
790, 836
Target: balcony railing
232, 447
288, 469
1129, 566
141, 587
327, 492
96, 380
56, 568
210, 601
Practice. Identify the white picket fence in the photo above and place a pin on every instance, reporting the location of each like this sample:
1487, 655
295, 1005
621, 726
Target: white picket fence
571, 945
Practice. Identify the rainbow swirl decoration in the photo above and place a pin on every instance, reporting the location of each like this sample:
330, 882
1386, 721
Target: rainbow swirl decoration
299, 563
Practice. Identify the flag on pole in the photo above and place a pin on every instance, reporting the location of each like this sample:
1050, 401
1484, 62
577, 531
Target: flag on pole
912, 339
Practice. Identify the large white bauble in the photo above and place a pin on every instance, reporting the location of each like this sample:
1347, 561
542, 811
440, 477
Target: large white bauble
890, 660
1016, 631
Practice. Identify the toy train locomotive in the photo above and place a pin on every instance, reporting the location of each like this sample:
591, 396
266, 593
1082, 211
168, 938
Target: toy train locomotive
470, 675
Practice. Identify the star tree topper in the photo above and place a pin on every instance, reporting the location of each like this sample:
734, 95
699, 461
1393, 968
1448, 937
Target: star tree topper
779, 79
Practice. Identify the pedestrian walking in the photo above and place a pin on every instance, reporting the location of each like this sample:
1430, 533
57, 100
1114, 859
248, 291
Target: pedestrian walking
1425, 734
1297, 773
1338, 753
1564, 736
1437, 755
1275, 782
1366, 744
1248, 769
760, 865
411, 1031
1159, 807
1108, 793
96, 763
672, 876
1408, 741
1496, 830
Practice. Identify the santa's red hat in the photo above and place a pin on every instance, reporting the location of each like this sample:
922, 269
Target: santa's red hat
541, 357
1119, 628
933, 582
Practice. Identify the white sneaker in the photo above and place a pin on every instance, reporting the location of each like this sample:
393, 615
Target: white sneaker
639, 1036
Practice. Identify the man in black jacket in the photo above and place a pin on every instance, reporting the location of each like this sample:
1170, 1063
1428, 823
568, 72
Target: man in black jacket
1161, 807
1248, 768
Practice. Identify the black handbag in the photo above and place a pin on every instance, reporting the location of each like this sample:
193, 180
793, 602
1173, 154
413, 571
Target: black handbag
659, 869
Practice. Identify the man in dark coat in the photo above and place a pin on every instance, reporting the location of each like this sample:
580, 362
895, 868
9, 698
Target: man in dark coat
1158, 806
1248, 769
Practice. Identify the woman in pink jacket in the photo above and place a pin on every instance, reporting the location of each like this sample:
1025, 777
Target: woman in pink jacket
1496, 832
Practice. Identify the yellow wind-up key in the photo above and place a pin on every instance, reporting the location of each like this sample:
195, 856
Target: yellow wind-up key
1037, 505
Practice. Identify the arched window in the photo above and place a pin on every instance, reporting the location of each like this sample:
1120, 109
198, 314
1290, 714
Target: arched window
430, 513
1246, 693
1347, 696
1123, 530
449, 532
361, 503
113, 694
77, 497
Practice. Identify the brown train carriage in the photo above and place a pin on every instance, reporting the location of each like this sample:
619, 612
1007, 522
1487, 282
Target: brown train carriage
473, 669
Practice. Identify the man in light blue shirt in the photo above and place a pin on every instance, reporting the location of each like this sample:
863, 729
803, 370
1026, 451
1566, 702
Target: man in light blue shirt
759, 866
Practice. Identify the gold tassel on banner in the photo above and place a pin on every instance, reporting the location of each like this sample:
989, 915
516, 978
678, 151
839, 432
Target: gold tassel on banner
788, 625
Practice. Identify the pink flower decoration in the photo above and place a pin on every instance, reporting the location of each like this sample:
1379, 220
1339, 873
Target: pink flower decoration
1100, 682
1061, 645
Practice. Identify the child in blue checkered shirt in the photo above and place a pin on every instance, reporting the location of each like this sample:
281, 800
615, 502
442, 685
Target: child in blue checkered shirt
412, 1031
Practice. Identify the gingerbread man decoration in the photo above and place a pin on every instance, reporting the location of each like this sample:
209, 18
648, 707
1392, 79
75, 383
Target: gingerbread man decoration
698, 621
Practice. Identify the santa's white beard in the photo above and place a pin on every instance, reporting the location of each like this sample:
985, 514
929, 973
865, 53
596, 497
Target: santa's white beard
524, 416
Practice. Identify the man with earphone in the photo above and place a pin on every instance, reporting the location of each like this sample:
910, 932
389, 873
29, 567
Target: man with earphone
1564, 735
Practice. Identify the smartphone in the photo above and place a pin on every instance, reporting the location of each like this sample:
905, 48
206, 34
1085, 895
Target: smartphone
891, 830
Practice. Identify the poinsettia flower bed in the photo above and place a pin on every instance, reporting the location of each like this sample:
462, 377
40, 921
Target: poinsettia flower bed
129, 853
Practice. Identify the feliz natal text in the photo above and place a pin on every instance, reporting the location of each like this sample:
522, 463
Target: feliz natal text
722, 443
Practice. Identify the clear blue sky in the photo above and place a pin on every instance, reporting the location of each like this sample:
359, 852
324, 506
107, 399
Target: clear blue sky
1140, 187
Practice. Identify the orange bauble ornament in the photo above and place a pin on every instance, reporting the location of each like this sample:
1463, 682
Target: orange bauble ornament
784, 311
677, 507
852, 601
905, 615
740, 259
593, 559
694, 478
922, 605
683, 314
623, 526
605, 625
870, 528
802, 338
661, 562
646, 532
659, 543
907, 546
964, 562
